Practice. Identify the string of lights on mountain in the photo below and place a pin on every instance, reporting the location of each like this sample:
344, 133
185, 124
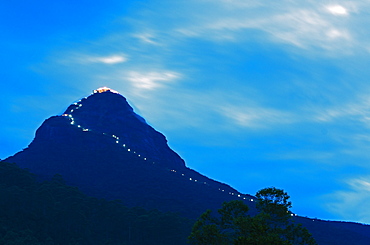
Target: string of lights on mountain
79, 104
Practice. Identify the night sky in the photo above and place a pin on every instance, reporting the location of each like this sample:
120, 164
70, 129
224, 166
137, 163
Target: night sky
250, 93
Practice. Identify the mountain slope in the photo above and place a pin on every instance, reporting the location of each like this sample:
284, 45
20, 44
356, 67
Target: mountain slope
100, 145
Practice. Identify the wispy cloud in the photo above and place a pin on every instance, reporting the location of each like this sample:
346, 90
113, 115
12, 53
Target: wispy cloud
350, 203
312, 24
114, 59
256, 117
151, 80
358, 110
146, 37
305, 28
89, 59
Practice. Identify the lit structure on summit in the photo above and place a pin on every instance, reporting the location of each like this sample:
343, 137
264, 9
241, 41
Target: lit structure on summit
105, 89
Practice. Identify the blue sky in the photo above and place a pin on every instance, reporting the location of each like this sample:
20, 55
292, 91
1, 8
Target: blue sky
251, 93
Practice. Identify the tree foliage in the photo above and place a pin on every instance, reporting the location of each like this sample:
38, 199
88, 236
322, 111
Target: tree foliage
232, 225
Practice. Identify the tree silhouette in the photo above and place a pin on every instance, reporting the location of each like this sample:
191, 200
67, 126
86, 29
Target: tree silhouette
272, 225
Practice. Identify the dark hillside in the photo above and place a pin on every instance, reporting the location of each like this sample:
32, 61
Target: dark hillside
51, 212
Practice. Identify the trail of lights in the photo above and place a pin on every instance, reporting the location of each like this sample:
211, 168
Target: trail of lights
78, 105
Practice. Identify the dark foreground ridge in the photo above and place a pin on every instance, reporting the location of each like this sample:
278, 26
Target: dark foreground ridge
53, 213
100, 145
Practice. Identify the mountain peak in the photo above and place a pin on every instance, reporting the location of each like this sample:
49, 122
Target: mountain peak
108, 113
105, 89
102, 146
103, 102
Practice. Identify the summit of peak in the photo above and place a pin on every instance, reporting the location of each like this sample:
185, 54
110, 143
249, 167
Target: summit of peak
106, 112
104, 89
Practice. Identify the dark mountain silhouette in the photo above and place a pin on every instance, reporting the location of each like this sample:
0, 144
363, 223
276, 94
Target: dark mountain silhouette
104, 148
101, 146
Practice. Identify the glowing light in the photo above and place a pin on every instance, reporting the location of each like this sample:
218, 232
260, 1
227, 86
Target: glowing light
104, 89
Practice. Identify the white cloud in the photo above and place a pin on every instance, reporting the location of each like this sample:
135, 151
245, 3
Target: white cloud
151, 80
337, 10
